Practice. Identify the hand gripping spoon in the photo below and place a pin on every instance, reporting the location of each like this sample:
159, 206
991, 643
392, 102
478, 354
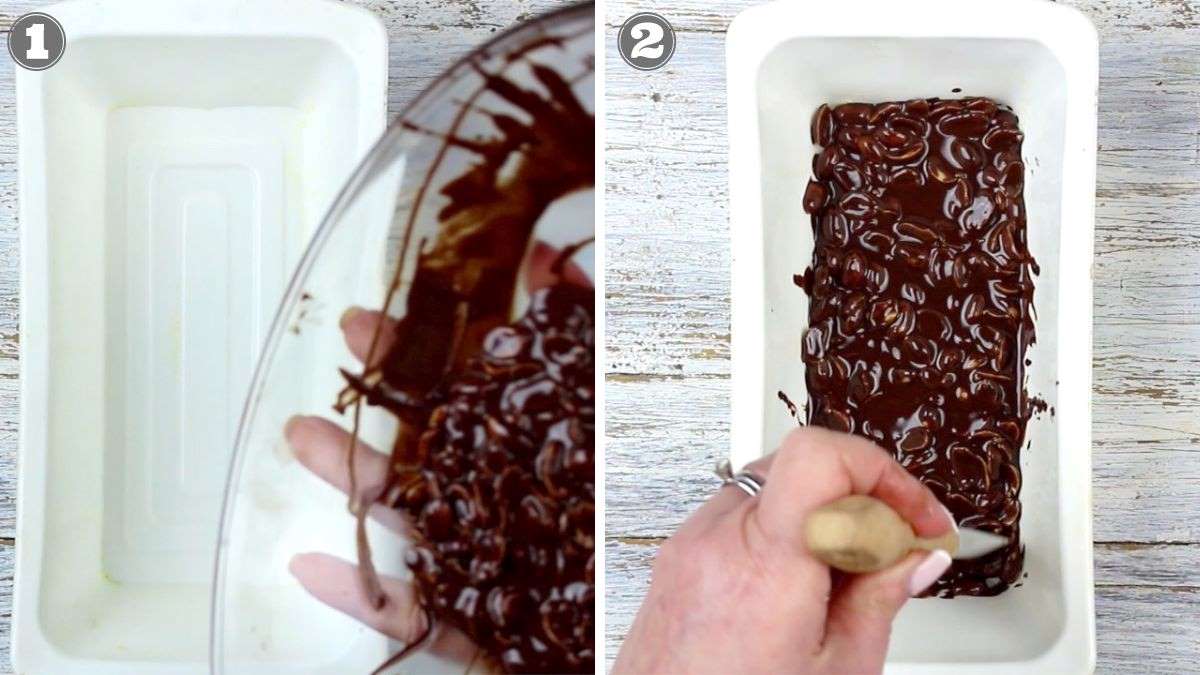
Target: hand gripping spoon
860, 534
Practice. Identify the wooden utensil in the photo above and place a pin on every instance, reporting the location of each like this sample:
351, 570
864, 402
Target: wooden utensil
862, 534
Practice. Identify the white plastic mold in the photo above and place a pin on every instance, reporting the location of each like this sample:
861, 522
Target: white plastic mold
173, 165
784, 60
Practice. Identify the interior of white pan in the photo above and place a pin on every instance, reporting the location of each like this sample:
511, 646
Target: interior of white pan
795, 78
184, 175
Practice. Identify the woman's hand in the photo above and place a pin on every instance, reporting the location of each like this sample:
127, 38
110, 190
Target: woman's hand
322, 446
736, 591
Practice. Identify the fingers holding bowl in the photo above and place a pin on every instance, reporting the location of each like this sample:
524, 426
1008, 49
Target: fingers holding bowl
323, 448
335, 582
359, 326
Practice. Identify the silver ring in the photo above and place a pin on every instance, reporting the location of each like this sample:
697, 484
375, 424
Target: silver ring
749, 482
744, 480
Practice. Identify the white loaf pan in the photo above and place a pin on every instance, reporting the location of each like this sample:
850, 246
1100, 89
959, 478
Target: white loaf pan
784, 60
173, 165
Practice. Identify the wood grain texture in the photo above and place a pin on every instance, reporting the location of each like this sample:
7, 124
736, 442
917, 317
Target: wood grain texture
7, 553
668, 314
425, 37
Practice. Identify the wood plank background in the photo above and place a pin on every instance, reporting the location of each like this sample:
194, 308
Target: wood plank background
668, 314
425, 37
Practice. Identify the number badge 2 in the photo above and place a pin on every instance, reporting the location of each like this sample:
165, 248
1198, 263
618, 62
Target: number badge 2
646, 41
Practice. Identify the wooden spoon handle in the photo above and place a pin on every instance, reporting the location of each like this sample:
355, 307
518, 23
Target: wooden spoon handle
862, 534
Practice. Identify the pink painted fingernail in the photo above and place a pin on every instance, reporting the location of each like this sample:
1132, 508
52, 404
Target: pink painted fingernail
949, 516
930, 570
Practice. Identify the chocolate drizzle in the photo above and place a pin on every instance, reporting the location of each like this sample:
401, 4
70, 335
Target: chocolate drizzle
921, 295
493, 462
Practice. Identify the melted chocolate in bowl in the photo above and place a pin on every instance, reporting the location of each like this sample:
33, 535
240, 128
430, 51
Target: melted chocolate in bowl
921, 292
503, 499
493, 463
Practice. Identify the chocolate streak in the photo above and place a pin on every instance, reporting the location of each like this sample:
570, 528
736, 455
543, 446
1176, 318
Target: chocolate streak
921, 296
494, 459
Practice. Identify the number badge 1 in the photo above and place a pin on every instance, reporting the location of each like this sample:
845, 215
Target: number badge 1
36, 41
646, 41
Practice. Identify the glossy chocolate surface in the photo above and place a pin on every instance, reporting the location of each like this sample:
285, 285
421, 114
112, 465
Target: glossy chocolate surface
921, 292
493, 462
503, 499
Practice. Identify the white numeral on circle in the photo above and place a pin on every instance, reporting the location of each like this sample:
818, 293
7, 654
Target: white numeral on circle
648, 35
37, 42
646, 41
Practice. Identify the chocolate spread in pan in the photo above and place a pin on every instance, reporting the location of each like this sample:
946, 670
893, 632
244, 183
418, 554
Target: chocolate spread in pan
494, 461
921, 291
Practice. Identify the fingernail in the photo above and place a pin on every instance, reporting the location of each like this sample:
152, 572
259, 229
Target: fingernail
295, 564
949, 516
290, 426
930, 570
348, 315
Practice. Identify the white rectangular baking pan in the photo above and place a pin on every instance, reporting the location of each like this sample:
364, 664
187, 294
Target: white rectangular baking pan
788, 57
172, 167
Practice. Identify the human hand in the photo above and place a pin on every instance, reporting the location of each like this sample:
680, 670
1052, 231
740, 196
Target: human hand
736, 591
322, 446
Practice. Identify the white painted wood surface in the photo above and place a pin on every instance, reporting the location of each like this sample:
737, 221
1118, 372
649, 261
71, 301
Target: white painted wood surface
668, 314
425, 37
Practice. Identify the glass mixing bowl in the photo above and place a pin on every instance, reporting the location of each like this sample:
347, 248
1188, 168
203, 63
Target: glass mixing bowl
263, 621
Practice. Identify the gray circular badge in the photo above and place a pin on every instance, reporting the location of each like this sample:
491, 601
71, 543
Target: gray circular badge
646, 41
36, 41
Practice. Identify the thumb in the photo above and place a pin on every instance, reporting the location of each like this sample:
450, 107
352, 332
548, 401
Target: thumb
860, 616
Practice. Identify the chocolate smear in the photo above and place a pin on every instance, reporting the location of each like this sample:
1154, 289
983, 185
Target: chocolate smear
921, 297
